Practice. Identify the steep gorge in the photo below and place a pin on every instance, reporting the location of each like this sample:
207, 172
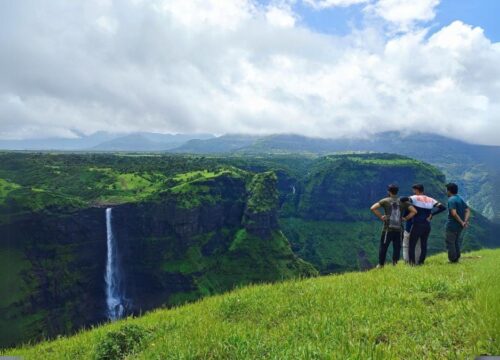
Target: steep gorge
170, 250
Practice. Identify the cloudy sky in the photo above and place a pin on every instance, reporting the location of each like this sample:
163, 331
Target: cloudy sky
325, 68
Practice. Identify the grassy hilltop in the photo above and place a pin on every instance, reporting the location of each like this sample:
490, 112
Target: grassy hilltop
435, 311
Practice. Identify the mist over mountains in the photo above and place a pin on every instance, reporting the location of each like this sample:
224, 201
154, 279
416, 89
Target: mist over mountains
106, 141
391, 142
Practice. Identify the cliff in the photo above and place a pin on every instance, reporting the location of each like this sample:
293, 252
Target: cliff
200, 237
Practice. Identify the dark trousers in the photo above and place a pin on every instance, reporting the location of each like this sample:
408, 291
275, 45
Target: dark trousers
422, 232
453, 244
387, 237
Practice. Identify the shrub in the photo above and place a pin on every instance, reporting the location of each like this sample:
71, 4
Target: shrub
119, 343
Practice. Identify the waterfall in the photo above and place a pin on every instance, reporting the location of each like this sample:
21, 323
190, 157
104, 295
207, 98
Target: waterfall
114, 298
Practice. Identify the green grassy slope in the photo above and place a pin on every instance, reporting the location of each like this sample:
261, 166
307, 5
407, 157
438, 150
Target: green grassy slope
31, 182
435, 311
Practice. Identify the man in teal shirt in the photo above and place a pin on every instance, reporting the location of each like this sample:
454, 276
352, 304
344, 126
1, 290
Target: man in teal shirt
458, 220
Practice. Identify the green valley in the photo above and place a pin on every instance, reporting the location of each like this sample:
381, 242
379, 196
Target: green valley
186, 227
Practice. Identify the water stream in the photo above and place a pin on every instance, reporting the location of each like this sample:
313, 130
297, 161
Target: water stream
114, 297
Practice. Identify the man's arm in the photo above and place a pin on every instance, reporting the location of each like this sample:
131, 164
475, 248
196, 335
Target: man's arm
455, 215
439, 209
467, 217
375, 209
412, 213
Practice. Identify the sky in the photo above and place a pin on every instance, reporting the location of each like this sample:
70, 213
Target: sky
324, 68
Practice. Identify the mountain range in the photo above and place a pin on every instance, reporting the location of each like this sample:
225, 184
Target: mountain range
105, 141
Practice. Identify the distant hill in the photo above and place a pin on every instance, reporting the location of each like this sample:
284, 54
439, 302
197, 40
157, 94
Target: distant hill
148, 142
104, 141
423, 144
436, 311
65, 144
221, 144
476, 168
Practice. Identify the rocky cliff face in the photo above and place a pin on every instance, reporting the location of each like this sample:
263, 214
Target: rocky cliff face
185, 244
261, 211
56, 283
164, 246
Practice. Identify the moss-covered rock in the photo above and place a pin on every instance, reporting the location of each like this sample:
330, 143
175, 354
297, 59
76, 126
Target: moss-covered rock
261, 211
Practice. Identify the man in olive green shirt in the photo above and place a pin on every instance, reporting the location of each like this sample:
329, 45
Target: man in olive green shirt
393, 223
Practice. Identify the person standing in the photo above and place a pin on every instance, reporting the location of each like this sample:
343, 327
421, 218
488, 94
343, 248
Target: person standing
393, 223
420, 226
458, 220
406, 243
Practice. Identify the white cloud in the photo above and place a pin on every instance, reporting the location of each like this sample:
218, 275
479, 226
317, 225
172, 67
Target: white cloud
197, 14
404, 13
280, 16
107, 25
458, 37
212, 66
322, 4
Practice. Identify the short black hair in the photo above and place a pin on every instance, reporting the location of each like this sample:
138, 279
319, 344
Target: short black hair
452, 187
418, 187
393, 189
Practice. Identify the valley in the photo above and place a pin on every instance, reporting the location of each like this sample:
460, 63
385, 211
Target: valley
185, 227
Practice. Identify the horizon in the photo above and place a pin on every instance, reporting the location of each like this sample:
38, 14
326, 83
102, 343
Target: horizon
111, 136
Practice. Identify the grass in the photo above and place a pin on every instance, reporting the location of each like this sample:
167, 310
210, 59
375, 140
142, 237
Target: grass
194, 188
34, 181
436, 311
6, 187
193, 175
128, 187
264, 195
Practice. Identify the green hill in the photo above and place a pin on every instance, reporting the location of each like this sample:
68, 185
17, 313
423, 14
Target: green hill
435, 311
474, 167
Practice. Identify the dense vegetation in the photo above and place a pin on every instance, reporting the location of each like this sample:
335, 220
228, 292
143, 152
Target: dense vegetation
187, 227
474, 167
179, 221
39, 181
435, 311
